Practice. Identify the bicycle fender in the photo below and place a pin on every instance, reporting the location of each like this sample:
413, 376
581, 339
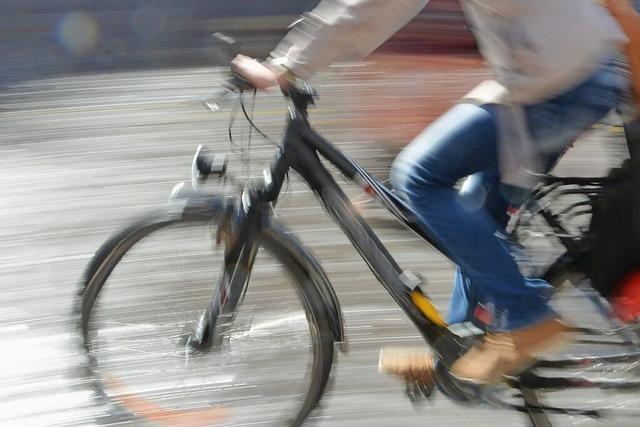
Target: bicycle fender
312, 268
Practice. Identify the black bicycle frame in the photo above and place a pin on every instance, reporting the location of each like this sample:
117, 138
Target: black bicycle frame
300, 151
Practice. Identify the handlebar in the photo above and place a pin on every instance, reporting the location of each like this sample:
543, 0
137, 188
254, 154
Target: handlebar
232, 86
301, 93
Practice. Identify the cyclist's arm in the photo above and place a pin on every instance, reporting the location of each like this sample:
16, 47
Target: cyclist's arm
341, 30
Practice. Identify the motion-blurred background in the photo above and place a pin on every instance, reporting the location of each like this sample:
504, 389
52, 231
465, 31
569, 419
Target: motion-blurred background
43, 38
100, 114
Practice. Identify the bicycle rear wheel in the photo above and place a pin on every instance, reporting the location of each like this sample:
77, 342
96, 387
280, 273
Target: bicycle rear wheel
143, 294
604, 351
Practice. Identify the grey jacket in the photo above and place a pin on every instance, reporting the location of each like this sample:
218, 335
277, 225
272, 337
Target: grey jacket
537, 49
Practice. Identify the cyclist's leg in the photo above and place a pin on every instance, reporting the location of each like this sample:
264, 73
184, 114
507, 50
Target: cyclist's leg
462, 300
480, 190
554, 125
472, 131
461, 143
483, 190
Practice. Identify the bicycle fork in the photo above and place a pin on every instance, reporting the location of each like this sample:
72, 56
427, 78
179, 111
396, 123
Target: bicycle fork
239, 256
226, 297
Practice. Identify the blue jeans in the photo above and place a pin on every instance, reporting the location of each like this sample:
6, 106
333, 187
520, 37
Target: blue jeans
489, 288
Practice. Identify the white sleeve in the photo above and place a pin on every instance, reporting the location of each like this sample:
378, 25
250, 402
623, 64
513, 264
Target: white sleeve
341, 30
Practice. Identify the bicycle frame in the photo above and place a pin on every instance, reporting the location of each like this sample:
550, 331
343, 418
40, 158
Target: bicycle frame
300, 151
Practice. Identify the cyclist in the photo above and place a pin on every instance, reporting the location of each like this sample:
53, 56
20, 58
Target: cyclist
559, 68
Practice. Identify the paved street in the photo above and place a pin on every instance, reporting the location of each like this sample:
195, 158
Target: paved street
80, 156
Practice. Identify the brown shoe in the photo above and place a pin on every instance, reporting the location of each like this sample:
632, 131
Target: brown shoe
509, 353
412, 364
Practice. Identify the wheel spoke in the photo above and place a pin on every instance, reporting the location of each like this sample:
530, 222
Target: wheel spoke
151, 302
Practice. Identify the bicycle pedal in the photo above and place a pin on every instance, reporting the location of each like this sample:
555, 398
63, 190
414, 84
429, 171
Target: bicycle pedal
482, 393
418, 392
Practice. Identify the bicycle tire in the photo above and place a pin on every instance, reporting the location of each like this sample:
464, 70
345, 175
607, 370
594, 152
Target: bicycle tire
571, 283
565, 274
113, 250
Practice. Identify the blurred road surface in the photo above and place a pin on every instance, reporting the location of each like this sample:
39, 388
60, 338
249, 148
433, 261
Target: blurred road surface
81, 155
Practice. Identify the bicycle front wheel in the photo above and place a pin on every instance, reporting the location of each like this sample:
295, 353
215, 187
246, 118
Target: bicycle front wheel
143, 294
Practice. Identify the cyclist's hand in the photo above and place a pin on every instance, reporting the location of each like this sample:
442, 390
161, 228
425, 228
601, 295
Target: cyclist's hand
259, 75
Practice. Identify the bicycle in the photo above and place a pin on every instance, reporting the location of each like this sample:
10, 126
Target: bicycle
244, 229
